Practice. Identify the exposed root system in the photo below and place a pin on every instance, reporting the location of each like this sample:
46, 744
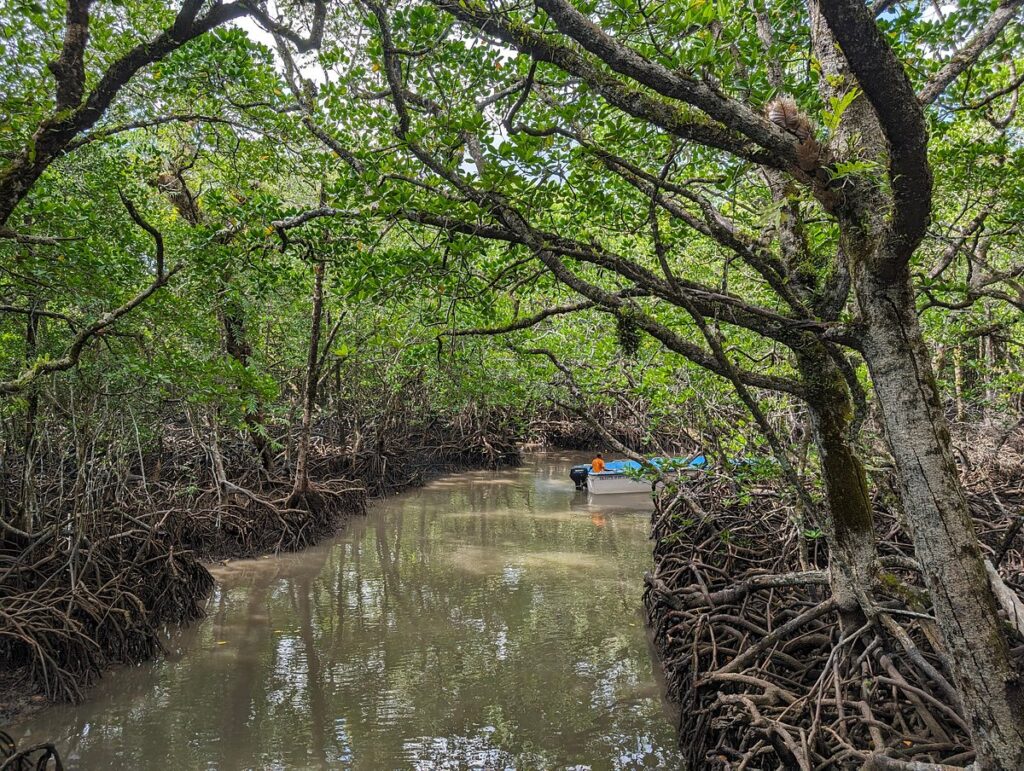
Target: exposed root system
764, 673
117, 556
72, 604
629, 423
36, 757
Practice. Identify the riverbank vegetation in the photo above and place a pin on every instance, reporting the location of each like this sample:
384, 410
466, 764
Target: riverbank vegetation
259, 261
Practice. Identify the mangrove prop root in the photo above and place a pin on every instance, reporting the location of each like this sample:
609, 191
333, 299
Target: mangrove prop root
113, 561
756, 660
38, 757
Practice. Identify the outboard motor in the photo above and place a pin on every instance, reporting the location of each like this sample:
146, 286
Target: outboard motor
578, 474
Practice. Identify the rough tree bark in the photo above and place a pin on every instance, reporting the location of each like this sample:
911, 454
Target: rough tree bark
989, 681
301, 484
848, 523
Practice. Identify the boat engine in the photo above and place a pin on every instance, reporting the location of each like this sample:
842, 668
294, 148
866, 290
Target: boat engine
578, 474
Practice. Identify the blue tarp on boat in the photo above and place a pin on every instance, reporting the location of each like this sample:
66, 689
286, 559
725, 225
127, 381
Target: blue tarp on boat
621, 466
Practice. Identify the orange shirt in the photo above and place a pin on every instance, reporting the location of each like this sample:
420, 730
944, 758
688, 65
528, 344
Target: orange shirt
597, 465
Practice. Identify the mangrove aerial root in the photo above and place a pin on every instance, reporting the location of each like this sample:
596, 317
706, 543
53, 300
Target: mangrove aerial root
38, 757
757, 661
73, 602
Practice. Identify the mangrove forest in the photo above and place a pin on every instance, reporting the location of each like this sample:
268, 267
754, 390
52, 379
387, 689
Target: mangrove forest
511, 384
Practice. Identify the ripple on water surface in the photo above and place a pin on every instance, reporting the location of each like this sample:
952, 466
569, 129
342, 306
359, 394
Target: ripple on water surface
487, 621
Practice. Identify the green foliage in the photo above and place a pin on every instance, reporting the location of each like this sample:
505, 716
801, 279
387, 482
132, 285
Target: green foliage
398, 289
838, 106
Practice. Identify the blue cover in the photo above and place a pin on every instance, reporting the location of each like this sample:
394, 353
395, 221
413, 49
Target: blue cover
621, 466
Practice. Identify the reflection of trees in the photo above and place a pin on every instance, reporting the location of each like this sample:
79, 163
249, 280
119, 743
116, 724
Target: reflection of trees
250, 723
245, 681
288, 708
454, 675
388, 557
302, 590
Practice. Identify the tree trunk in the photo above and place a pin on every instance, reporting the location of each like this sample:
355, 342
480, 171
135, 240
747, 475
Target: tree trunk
958, 382
988, 409
990, 687
945, 543
301, 485
29, 503
847, 518
848, 523
237, 346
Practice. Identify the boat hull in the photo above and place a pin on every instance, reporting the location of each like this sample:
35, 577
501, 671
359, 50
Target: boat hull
607, 483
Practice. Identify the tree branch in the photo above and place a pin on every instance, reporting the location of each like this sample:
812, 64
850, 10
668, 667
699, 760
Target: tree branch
302, 90
885, 83
711, 224
74, 353
295, 221
35, 240
951, 251
728, 308
56, 132
302, 45
617, 93
969, 54
40, 312
69, 67
101, 134
578, 394
537, 318
523, 323
139, 220
671, 83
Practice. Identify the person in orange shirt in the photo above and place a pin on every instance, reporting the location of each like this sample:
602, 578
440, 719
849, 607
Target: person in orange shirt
597, 464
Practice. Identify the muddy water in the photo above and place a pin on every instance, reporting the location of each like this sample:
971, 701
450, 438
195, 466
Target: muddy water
489, 621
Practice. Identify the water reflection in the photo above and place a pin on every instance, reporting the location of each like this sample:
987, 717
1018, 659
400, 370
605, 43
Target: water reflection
488, 621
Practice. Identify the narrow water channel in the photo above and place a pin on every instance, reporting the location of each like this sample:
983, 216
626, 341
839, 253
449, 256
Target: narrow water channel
490, 620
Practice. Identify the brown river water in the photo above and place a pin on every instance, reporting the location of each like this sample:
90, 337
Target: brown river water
490, 620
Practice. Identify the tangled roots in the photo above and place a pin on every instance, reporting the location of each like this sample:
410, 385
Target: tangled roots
764, 673
72, 605
38, 757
